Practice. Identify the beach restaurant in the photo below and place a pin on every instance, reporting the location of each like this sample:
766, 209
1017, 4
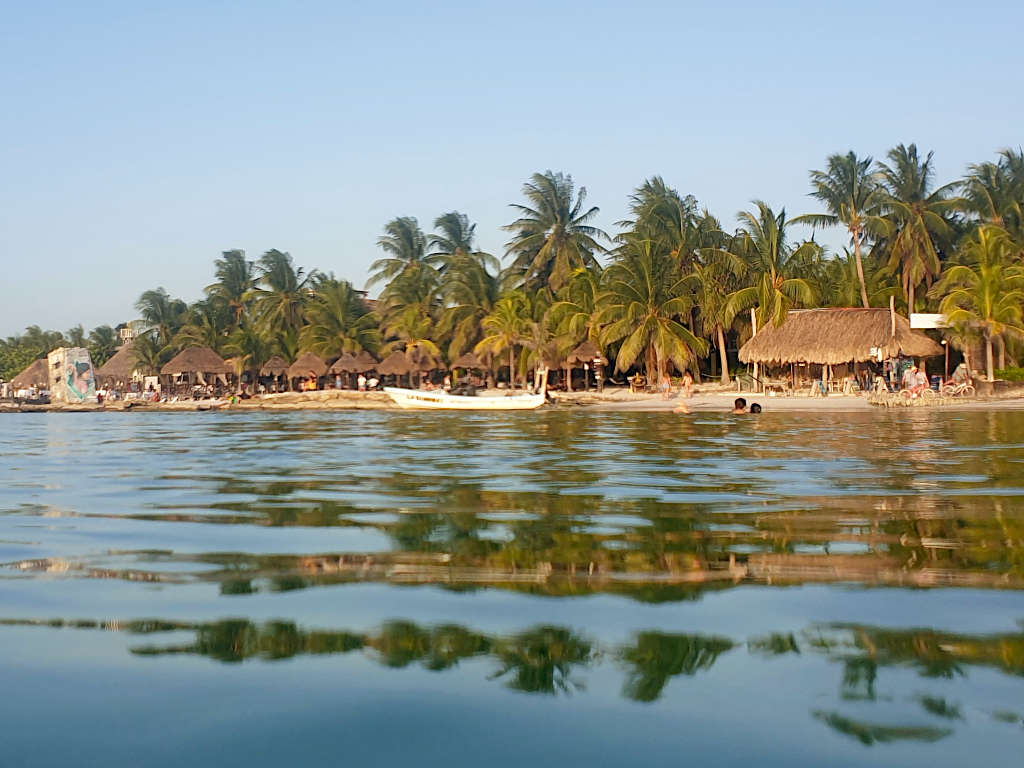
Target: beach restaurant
840, 342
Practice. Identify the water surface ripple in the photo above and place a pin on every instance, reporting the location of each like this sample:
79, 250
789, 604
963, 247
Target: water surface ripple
455, 588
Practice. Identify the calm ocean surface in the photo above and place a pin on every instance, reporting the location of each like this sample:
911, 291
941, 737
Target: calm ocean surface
551, 588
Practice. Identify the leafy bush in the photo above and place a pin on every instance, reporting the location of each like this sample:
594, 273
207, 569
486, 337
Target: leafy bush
1010, 374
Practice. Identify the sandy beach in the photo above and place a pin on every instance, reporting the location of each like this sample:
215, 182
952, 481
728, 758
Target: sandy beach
611, 399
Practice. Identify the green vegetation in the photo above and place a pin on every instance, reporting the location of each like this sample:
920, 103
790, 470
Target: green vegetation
671, 288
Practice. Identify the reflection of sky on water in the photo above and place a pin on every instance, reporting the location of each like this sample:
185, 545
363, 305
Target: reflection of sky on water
399, 587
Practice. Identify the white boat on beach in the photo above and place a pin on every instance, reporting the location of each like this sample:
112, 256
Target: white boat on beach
439, 400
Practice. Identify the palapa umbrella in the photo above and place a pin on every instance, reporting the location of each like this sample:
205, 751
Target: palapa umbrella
305, 364
395, 364
347, 363
468, 360
196, 360
587, 354
275, 366
367, 362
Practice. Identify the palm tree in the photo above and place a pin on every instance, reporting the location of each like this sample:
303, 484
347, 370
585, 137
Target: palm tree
662, 214
840, 285
406, 246
850, 193
235, 280
994, 193
161, 314
552, 236
574, 314
470, 290
250, 348
207, 325
776, 266
504, 328
455, 240
641, 304
281, 293
916, 218
103, 341
339, 321
711, 283
76, 336
148, 353
987, 293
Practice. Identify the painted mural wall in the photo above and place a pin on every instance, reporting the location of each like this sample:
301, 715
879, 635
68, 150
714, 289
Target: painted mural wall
72, 378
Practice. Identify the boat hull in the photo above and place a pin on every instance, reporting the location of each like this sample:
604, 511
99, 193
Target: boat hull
442, 401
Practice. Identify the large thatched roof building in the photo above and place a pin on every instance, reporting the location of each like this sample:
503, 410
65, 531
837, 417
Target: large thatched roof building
36, 375
395, 364
837, 335
196, 360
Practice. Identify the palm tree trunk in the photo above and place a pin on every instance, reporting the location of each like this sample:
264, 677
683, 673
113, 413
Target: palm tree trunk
1002, 353
860, 269
988, 358
724, 355
511, 367
911, 298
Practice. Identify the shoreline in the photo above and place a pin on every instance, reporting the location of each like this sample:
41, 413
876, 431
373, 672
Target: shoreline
611, 400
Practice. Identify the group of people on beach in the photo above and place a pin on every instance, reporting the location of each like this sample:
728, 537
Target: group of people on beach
686, 392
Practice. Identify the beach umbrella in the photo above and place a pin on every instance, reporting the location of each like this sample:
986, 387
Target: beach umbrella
589, 354
305, 364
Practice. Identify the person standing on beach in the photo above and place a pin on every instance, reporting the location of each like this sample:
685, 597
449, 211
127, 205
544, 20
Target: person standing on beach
685, 393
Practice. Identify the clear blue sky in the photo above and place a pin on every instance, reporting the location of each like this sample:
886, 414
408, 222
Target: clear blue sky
137, 143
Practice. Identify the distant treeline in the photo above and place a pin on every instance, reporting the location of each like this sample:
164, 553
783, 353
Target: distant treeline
672, 285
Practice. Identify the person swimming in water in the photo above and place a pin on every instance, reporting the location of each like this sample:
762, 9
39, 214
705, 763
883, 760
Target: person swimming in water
740, 405
755, 408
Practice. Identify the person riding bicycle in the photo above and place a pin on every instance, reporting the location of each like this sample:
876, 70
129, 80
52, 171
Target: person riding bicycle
961, 376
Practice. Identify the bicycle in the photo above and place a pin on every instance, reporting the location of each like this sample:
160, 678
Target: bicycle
925, 394
959, 390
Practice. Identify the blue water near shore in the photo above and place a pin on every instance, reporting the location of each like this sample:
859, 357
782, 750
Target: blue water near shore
558, 587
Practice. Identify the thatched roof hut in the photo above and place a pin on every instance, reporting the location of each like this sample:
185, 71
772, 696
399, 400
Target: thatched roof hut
275, 366
837, 335
468, 360
305, 364
367, 362
36, 375
196, 360
347, 363
586, 352
395, 364
120, 367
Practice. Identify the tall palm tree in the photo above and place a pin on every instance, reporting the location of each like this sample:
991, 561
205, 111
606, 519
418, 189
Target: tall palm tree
777, 267
250, 348
662, 214
711, 283
850, 192
575, 311
161, 314
281, 293
994, 193
470, 289
505, 327
987, 293
236, 277
916, 216
76, 336
339, 321
148, 353
454, 240
641, 305
103, 341
552, 235
406, 247
207, 324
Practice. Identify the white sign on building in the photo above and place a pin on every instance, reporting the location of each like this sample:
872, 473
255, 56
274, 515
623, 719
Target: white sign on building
922, 320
